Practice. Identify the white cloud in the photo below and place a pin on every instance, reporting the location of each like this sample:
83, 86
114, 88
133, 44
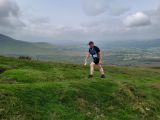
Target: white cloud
136, 20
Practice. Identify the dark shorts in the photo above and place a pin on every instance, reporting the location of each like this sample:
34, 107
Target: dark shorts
96, 61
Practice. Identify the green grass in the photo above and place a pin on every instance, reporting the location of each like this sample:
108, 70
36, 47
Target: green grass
33, 90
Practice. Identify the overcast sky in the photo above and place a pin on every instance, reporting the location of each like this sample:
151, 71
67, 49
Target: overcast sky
80, 20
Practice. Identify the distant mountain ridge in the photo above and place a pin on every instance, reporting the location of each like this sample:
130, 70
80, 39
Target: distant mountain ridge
9, 45
143, 44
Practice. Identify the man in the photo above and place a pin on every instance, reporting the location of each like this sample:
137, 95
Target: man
96, 54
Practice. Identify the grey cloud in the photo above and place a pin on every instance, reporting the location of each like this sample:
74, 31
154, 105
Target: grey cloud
8, 7
9, 16
94, 7
97, 7
118, 11
154, 15
154, 29
40, 20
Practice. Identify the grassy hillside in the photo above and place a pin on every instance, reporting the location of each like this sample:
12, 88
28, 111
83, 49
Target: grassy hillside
55, 91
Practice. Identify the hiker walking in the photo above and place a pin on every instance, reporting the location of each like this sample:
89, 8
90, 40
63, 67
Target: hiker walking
96, 54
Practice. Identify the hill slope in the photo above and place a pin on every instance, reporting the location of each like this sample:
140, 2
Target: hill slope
55, 91
9, 45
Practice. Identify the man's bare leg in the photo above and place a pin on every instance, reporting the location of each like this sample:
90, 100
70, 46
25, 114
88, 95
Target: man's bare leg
92, 68
101, 71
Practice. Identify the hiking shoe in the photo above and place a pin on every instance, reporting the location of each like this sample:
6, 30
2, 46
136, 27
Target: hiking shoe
103, 76
90, 76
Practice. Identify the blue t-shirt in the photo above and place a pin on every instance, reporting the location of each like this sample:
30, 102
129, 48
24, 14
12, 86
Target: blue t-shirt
94, 52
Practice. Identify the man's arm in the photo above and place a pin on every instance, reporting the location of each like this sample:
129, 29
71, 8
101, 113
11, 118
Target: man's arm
87, 57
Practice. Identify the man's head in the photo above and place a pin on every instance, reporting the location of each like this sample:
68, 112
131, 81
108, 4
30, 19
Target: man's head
91, 44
